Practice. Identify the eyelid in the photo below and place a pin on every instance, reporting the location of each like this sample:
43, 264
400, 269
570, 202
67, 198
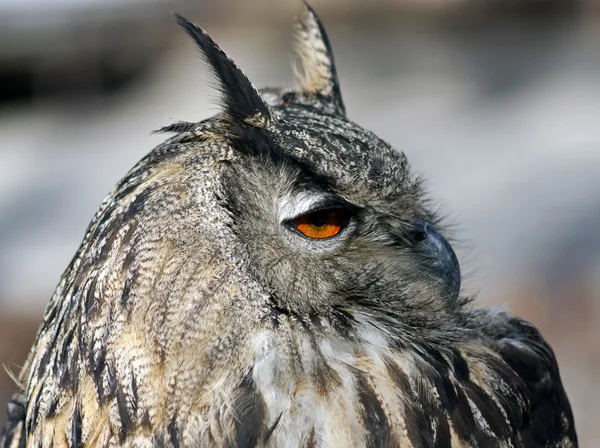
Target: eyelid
291, 207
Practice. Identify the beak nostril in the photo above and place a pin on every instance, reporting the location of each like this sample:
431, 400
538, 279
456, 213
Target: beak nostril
419, 233
419, 236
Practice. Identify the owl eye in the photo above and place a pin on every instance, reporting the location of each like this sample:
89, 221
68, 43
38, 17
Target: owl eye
322, 224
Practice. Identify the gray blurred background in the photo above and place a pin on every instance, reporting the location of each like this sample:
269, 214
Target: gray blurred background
496, 103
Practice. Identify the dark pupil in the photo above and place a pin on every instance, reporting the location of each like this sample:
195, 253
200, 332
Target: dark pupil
319, 219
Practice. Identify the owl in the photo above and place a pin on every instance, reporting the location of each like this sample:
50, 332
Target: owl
275, 276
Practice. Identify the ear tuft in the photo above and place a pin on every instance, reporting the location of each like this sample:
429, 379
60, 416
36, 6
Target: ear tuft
241, 99
317, 74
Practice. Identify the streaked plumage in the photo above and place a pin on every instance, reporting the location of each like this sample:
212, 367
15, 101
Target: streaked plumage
195, 314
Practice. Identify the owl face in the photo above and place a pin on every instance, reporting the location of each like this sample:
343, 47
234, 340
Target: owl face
330, 215
325, 214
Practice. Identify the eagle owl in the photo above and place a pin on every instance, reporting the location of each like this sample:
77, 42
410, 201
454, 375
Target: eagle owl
274, 276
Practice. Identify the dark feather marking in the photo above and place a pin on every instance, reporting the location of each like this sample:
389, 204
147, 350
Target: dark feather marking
111, 380
242, 100
448, 400
446, 391
443, 437
66, 347
69, 373
125, 188
100, 226
145, 420
311, 442
461, 368
431, 410
343, 316
516, 414
49, 318
173, 431
126, 420
272, 427
464, 422
529, 365
158, 441
56, 333
35, 415
90, 302
130, 257
51, 411
375, 172
97, 366
324, 377
29, 422
131, 231
126, 291
76, 441
109, 222
418, 425
136, 206
74, 364
249, 410
44, 362
489, 411
374, 417
134, 392
276, 311
438, 362
110, 233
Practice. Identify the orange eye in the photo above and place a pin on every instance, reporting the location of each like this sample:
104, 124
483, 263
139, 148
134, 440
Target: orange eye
323, 223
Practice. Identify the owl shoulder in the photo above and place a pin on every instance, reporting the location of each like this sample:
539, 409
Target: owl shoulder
548, 420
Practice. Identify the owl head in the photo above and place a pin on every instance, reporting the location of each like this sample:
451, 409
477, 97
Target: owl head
291, 202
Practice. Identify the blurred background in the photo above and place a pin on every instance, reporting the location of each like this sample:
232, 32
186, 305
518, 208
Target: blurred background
496, 103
